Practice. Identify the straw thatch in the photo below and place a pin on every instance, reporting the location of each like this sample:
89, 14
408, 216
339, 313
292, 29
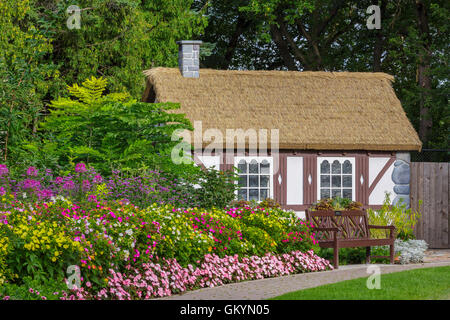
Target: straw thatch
312, 110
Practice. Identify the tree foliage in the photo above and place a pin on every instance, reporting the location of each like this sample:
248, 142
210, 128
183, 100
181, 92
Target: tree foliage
112, 130
40, 55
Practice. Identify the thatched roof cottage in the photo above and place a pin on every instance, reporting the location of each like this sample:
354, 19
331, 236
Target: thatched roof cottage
339, 133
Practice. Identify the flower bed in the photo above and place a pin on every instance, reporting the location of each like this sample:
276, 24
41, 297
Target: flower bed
151, 280
111, 238
85, 183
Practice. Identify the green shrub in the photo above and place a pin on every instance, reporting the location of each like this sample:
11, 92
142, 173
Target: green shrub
356, 255
31, 289
397, 215
214, 188
113, 131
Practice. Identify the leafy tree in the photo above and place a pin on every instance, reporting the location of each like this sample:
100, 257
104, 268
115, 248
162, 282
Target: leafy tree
112, 131
118, 39
40, 56
24, 76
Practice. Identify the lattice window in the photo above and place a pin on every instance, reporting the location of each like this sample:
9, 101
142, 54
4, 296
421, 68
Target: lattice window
336, 178
255, 178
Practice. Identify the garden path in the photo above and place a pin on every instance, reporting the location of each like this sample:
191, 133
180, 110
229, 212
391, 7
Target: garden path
273, 287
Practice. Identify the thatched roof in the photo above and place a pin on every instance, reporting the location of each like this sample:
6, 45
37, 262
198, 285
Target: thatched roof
312, 110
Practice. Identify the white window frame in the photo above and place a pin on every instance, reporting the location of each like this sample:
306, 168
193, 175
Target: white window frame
341, 160
248, 159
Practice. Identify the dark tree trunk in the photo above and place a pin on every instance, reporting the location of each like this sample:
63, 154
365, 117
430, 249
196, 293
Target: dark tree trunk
241, 25
423, 71
379, 41
283, 48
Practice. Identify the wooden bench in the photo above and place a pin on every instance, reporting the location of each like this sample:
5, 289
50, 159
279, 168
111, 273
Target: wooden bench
347, 229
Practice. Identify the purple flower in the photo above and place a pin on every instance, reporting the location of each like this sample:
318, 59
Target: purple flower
31, 184
59, 180
69, 185
32, 172
80, 167
86, 185
45, 194
3, 170
2, 191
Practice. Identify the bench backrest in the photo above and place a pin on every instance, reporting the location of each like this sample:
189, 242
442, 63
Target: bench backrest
352, 224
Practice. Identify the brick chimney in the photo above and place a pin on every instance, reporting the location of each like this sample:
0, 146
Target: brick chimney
189, 58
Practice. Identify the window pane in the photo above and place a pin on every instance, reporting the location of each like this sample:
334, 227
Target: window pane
253, 181
347, 181
324, 181
242, 166
324, 193
336, 167
264, 181
336, 193
253, 167
264, 194
242, 181
347, 193
325, 167
347, 167
265, 167
336, 181
242, 194
253, 194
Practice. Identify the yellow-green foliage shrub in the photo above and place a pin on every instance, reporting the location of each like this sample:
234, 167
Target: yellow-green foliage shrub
398, 215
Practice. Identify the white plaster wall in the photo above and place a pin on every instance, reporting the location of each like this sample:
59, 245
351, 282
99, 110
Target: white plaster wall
294, 183
375, 166
384, 185
210, 161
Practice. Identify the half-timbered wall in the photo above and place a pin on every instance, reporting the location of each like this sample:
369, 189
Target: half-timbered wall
296, 176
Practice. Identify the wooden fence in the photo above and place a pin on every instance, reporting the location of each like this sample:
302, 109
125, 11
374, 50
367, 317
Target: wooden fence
430, 183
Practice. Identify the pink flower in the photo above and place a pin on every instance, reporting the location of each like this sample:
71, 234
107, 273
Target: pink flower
80, 167
32, 172
3, 170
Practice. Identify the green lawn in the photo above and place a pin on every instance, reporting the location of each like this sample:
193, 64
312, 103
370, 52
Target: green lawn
419, 284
